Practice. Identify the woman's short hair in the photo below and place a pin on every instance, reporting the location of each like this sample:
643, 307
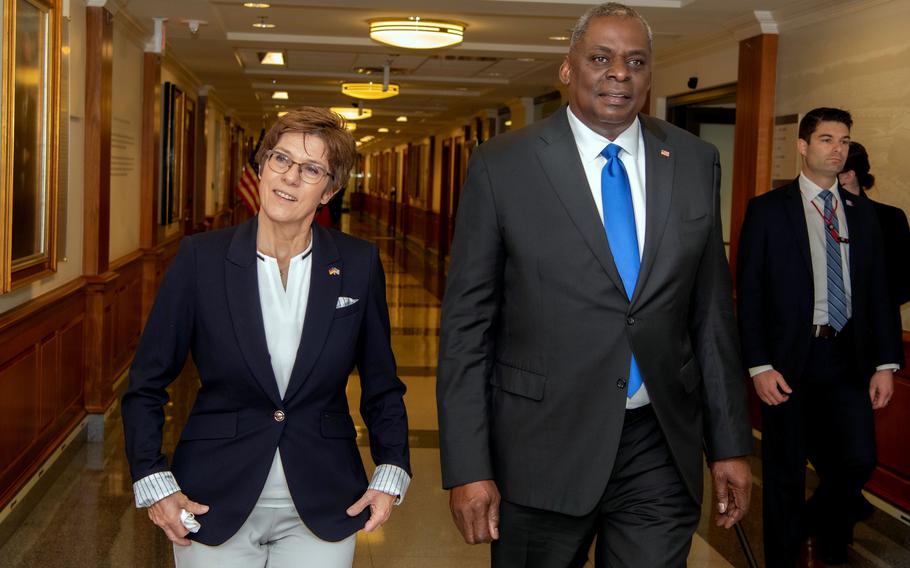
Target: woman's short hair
858, 161
316, 121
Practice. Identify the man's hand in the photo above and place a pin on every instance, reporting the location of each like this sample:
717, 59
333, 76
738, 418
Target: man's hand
475, 507
732, 489
771, 387
380, 505
881, 387
166, 514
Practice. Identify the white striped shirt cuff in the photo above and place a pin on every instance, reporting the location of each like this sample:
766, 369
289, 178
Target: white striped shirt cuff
391, 479
153, 488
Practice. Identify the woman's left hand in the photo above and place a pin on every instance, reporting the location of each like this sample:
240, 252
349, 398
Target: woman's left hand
380, 505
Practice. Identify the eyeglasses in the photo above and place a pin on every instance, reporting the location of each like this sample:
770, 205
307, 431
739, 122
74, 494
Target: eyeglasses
309, 172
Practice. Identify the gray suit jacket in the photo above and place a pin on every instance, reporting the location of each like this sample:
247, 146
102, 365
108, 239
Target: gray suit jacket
537, 331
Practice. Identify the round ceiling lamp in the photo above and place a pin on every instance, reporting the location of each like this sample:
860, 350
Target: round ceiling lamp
415, 33
353, 113
370, 91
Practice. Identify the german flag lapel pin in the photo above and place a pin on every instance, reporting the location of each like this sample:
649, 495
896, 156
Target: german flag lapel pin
665, 153
334, 271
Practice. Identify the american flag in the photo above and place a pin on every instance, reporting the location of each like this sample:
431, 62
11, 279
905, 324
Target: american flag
247, 188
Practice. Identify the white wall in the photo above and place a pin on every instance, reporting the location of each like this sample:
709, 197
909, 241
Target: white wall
69, 266
859, 62
713, 67
126, 135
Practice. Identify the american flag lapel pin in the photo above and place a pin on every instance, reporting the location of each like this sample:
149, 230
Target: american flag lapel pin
665, 153
848, 202
334, 271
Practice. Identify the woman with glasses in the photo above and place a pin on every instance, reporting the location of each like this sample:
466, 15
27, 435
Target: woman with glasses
276, 312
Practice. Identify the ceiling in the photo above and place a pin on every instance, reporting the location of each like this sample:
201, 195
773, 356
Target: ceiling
506, 51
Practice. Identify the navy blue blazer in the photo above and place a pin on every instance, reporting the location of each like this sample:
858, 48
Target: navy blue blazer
775, 290
208, 305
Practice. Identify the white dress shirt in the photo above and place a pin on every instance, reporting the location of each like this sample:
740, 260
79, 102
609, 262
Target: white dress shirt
283, 314
590, 145
817, 245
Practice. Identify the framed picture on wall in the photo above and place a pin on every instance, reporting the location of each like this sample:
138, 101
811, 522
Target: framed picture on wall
173, 109
28, 168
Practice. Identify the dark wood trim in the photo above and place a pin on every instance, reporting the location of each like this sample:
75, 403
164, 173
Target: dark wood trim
151, 147
756, 87
99, 54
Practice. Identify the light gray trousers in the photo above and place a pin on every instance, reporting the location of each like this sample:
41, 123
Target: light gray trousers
270, 538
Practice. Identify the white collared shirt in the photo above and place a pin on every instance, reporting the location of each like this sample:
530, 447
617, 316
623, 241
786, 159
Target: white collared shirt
818, 235
590, 145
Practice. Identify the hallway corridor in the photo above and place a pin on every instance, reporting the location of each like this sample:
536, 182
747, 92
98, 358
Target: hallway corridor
84, 516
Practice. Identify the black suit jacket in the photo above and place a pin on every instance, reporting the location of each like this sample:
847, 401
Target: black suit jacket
537, 330
775, 287
208, 304
896, 239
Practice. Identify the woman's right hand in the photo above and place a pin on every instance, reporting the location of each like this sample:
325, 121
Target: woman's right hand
166, 514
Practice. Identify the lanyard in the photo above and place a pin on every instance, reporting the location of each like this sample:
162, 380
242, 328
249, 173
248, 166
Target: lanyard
829, 222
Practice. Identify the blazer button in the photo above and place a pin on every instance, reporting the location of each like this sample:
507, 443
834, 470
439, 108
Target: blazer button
278, 416
621, 384
630, 320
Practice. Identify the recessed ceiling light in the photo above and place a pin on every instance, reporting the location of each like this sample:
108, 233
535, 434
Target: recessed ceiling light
526, 59
261, 24
282, 113
271, 57
350, 126
256, 5
558, 38
508, 123
280, 95
382, 130
367, 138
401, 118
353, 113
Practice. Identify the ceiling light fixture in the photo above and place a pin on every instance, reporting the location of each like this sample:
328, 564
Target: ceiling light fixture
262, 25
282, 113
559, 38
401, 118
350, 126
280, 95
369, 91
271, 57
415, 33
382, 130
353, 113
256, 5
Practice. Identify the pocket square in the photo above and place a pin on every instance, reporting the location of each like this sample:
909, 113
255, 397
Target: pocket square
344, 301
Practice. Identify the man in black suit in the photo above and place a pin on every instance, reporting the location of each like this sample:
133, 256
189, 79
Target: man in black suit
857, 179
588, 351
818, 340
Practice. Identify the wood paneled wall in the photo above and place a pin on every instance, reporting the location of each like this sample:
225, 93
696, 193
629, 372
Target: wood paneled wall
891, 479
42, 375
52, 373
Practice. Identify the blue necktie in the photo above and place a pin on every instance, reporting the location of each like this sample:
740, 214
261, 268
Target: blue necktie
619, 222
837, 298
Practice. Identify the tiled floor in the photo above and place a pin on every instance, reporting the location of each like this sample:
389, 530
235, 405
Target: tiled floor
86, 517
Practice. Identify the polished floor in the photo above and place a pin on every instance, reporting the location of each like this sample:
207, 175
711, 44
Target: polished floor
84, 516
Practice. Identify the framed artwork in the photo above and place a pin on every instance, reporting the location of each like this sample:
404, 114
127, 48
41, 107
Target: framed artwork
28, 168
173, 152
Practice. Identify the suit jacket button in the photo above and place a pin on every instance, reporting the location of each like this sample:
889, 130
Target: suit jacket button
278, 416
630, 320
621, 384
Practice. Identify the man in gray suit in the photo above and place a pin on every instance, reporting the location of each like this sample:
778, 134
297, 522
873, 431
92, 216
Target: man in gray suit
588, 351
